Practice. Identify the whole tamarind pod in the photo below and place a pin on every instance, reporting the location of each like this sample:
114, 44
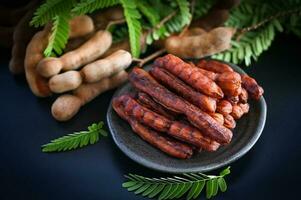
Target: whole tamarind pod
21, 37
75, 43
166, 144
72, 60
198, 46
66, 81
229, 121
218, 117
141, 80
145, 100
243, 97
204, 102
177, 129
244, 106
34, 53
252, 87
237, 112
224, 107
66, 106
106, 67
194, 31
214, 66
230, 83
189, 74
80, 26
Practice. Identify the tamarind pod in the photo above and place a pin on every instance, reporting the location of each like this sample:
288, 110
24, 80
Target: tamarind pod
229, 121
89, 91
207, 73
141, 80
64, 82
244, 106
252, 87
80, 26
75, 43
214, 18
204, 102
194, 31
21, 37
214, 66
34, 53
106, 67
233, 99
89, 51
66, 106
237, 112
243, 97
102, 18
190, 75
218, 117
230, 83
198, 46
122, 45
176, 129
145, 100
224, 107
168, 145
213, 76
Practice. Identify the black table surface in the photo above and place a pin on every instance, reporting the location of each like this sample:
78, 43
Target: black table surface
270, 170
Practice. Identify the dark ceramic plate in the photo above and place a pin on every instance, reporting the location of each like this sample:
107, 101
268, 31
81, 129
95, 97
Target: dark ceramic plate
245, 135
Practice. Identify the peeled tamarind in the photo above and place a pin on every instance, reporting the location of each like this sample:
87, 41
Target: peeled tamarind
34, 53
66, 81
66, 106
72, 60
106, 67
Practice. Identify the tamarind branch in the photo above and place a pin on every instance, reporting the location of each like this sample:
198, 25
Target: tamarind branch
152, 56
115, 22
242, 31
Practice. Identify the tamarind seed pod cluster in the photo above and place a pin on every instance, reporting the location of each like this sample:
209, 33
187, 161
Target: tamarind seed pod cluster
80, 74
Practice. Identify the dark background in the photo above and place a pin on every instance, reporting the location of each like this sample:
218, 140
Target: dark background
271, 170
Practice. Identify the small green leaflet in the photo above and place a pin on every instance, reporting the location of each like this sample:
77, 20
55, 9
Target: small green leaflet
132, 17
191, 184
59, 35
76, 139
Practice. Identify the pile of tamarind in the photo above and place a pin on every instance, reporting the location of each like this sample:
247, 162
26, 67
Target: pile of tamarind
89, 66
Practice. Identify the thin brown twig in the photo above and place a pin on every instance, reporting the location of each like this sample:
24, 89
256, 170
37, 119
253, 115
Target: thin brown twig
116, 22
141, 62
165, 19
242, 31
162, 22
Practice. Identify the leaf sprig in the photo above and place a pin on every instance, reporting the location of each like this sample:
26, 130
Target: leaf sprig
191, 184
76, 139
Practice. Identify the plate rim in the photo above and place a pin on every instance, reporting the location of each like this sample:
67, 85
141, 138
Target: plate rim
146, 163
